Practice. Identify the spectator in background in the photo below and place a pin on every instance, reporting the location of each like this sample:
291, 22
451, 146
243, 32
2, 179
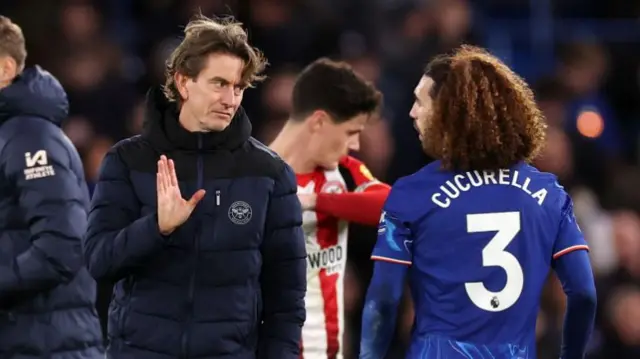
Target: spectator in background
46, 294
582, 70
276, 101
575, 157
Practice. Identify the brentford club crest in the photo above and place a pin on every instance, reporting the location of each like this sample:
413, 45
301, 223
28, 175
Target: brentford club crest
333, 187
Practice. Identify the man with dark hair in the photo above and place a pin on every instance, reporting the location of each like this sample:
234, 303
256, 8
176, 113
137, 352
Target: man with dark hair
477, 231
220, 274
47, 296
331, 106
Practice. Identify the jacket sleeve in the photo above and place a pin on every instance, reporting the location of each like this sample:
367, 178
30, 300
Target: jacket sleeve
117, 238
53, 201
284, 279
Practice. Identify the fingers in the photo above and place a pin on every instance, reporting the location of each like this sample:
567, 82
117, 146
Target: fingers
159, 183
172, 174
163, 176
197, 197
160, 180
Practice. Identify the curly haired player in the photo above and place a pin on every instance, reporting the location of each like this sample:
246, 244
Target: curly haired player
331, 106
477, 230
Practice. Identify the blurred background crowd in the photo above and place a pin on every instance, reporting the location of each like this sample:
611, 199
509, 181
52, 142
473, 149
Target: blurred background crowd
581, 57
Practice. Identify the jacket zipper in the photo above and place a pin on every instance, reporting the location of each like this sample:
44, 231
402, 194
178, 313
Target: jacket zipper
196, 251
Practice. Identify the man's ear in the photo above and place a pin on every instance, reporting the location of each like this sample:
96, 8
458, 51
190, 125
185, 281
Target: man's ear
8, 69
318, 120
181, 84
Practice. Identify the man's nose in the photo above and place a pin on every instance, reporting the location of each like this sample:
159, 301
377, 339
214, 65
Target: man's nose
412, 113
229, 97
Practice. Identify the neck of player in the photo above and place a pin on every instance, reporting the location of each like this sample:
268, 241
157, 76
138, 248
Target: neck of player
291, 144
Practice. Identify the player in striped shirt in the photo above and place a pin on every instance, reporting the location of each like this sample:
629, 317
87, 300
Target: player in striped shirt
331, 106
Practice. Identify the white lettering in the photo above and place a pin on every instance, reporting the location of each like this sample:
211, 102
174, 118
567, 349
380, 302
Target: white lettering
514, 180
452, 195
451, 190
39, 172
525, 186
457, 178
503, 177
477, 181
540, 196
489, 175
441, 204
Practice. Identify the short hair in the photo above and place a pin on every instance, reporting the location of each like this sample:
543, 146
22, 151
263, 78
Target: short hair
205, 36
336, 88
12, 42
484, 115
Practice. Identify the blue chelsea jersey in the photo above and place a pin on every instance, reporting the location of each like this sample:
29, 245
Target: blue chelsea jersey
479, 245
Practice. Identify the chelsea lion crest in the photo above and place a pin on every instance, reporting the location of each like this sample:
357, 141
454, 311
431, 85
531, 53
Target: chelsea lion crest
240, 212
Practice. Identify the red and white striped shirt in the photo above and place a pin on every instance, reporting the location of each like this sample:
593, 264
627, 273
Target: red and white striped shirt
326, 244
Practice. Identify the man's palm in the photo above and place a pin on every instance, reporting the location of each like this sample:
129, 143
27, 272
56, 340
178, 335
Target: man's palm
173, 210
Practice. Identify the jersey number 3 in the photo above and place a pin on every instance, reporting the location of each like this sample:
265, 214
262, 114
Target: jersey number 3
506, 225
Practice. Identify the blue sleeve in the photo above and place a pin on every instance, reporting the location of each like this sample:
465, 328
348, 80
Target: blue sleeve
569, 237
284, 276
574, 272
53, 200
571, 264
394, 244
381, 308
118, 239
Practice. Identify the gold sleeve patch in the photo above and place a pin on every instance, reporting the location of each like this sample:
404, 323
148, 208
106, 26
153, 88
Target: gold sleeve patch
366, 173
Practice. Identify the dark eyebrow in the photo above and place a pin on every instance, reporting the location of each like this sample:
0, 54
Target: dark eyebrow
220, 79
226, 82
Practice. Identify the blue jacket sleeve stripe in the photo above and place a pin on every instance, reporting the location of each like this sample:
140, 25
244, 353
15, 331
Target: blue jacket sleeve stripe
284, 279
117, 238
52, 199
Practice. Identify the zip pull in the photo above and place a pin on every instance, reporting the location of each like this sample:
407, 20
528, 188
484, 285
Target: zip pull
217, 197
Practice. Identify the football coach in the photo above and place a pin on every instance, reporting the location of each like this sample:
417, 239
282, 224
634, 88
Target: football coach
198, 223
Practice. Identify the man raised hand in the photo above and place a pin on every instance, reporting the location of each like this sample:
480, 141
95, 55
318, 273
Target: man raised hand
173, 210
220, 275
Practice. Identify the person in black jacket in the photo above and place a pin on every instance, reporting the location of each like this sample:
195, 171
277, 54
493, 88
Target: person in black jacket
222, 273
47, 296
